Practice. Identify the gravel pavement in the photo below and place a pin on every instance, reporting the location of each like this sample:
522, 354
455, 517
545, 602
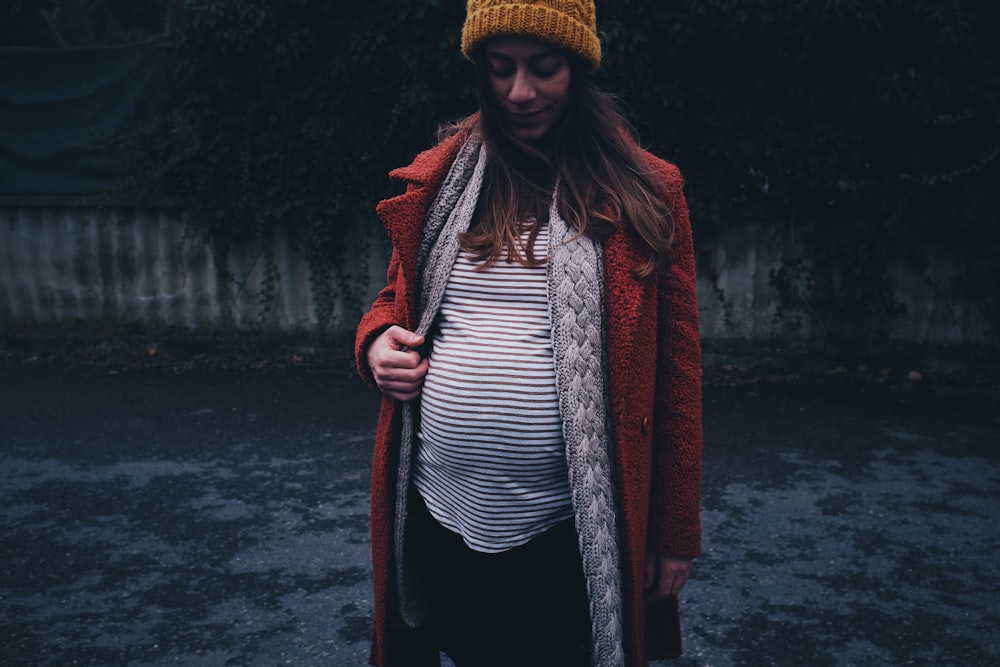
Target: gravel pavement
220, 518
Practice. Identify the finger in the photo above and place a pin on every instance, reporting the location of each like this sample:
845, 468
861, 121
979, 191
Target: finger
413, 374
401, 365
408, 396
403, 393
401, 338
673, 575
403, 384
673, 584
391, 373
668, 585
398, 386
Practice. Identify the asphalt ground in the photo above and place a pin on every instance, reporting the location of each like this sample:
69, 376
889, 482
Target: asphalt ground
208, 516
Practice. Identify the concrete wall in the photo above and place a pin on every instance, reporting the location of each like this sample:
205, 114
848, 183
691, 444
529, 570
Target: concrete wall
60, 263
934, 302
151, 266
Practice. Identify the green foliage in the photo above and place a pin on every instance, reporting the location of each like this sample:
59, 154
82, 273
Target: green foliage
817, 104
878, 120
82, 23
290, 114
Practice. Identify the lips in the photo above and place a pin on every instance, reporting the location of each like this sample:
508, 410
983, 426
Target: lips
526, 118
531, 125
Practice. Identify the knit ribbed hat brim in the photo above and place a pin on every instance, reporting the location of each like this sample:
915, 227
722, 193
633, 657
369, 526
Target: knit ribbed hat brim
570, 24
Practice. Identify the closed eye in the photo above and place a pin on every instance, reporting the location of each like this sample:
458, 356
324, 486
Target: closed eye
501, 72
543, 66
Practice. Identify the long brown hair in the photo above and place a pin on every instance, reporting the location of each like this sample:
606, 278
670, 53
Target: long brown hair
602, 179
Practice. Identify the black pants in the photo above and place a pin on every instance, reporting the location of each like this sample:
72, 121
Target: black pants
526, 606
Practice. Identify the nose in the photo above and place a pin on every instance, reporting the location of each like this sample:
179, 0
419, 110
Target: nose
522, 89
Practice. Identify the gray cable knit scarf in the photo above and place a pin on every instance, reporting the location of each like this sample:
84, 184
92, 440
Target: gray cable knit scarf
576, 308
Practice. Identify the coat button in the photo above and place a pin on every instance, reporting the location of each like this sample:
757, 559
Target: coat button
645, 425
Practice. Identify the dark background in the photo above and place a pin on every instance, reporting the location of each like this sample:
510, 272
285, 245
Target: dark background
878, 124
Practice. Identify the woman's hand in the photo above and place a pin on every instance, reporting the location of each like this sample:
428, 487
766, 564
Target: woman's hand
397, 367
665, 576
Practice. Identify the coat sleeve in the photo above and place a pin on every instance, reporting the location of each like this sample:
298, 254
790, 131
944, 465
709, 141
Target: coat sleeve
395, 304
379, 317
675, 526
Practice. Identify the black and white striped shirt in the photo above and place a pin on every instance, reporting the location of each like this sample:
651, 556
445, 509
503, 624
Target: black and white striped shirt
491, 461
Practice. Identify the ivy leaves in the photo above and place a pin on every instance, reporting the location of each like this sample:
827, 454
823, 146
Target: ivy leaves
877, 119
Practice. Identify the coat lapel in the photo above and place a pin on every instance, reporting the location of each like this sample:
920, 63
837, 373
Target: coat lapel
403, 215
626, 307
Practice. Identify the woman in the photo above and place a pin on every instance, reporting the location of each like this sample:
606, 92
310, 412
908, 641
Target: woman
536, 474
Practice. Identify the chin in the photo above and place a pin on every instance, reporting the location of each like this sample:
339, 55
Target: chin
531, 135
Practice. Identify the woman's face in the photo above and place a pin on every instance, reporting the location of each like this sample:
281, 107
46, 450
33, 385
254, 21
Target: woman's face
530, 82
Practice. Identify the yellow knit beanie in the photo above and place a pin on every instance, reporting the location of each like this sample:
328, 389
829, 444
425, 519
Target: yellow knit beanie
571, 24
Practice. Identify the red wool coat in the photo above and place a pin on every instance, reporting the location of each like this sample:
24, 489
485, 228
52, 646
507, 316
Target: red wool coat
655, 394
